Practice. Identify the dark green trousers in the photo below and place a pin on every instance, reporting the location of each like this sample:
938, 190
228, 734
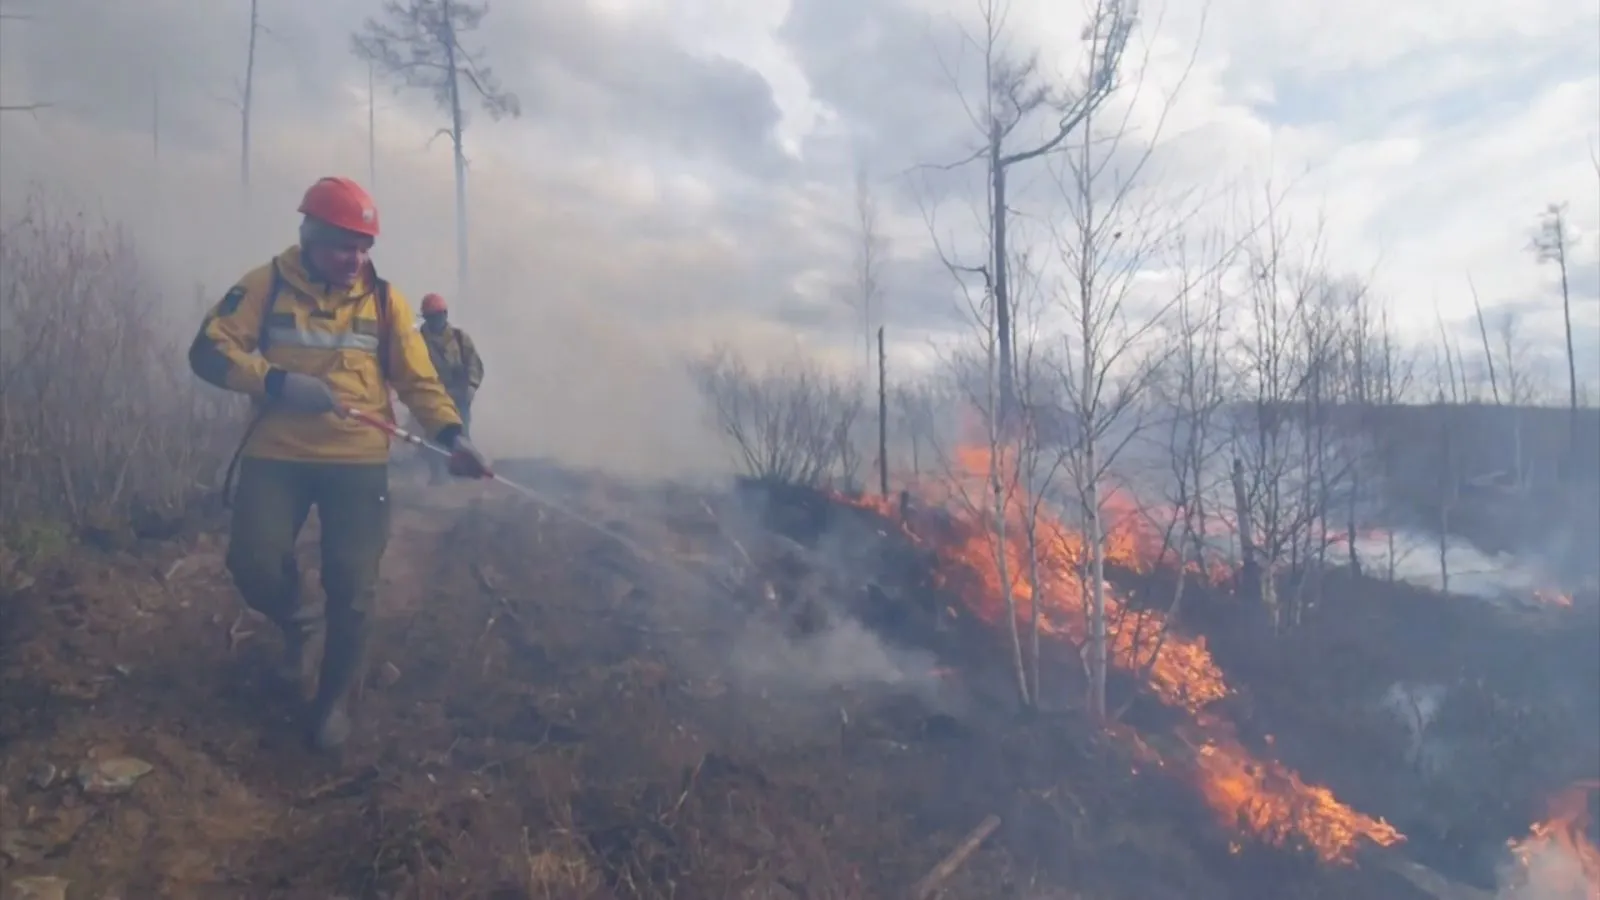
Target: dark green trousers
272, 501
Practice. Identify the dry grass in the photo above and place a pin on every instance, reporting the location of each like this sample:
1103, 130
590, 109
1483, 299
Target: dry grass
99, 415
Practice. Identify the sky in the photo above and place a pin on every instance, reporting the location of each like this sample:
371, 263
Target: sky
683, 172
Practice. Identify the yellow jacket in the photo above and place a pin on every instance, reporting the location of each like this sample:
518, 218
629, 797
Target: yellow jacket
275, 317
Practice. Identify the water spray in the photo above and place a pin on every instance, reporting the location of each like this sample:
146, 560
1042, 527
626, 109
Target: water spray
398, 433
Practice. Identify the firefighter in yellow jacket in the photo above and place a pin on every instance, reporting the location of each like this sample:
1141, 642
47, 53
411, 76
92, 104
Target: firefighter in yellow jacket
308, 336
455, 357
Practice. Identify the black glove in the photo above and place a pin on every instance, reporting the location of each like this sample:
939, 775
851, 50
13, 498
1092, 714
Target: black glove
467, 462
299, 393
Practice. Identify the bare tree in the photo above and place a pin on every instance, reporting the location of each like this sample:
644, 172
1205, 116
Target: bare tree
792, 424
866, 298
1483, 332
1449, 359
1190, 387
1286, 482
418, 44
1113, 231
247, 94
989, 484
1016, 92
1392, 383
1513, 352
372, 126
915, 407
1550, 243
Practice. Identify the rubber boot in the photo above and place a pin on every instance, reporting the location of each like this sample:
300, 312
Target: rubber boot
302, 648
343, 663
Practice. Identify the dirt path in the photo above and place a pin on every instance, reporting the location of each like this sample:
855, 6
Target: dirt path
152, 659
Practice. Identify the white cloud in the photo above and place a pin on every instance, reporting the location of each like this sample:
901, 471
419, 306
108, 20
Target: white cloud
1485, 113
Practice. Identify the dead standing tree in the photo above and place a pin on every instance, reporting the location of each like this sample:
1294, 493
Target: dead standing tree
1549, 244
1014, 92
247, 94
866, 298
418, 44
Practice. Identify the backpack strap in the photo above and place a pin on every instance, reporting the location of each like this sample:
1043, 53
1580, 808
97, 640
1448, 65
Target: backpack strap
264, 337
381, 292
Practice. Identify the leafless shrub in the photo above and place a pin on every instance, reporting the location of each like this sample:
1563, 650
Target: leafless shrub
792, 423
97, 412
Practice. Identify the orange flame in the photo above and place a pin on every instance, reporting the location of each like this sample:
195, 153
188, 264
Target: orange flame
1563, 835
1552, 598
1264, 798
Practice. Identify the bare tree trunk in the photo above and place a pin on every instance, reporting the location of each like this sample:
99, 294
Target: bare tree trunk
1038, 591
1446, 492
1449, 359
883, 419
998, 510
372, 129
457, 126
1002, 290
1572, 362
1094, 536
249, 93
1249, 568
1003, 567
1483, 331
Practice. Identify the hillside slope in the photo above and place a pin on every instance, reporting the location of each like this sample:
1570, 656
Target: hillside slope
550, 715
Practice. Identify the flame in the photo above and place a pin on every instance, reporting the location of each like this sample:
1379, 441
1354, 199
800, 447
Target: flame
1269, 800
1563, 835
1261, 797
1552, 598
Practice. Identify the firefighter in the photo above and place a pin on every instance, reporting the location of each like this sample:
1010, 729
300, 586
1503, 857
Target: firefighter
456, 360
310, 334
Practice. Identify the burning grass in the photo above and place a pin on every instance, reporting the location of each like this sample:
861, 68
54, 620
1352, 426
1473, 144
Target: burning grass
1261, 796
1559, 858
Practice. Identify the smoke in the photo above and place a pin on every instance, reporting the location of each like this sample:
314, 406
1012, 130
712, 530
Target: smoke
1416, 706
805, 636
1545, 871
844, 654
1415, 559
566, 377
604, 253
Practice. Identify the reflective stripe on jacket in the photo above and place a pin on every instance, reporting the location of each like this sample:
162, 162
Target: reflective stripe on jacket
455, 358
336, 335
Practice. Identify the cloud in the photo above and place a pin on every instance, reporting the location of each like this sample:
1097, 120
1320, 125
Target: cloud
683, 173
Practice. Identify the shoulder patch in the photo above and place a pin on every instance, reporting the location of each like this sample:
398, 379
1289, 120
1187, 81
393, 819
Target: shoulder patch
231, 300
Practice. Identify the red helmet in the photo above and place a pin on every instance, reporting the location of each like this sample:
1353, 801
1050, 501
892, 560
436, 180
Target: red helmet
342, 203
433, 304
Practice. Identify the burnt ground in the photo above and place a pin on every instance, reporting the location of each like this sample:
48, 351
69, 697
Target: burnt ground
551, 716
1517, 691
